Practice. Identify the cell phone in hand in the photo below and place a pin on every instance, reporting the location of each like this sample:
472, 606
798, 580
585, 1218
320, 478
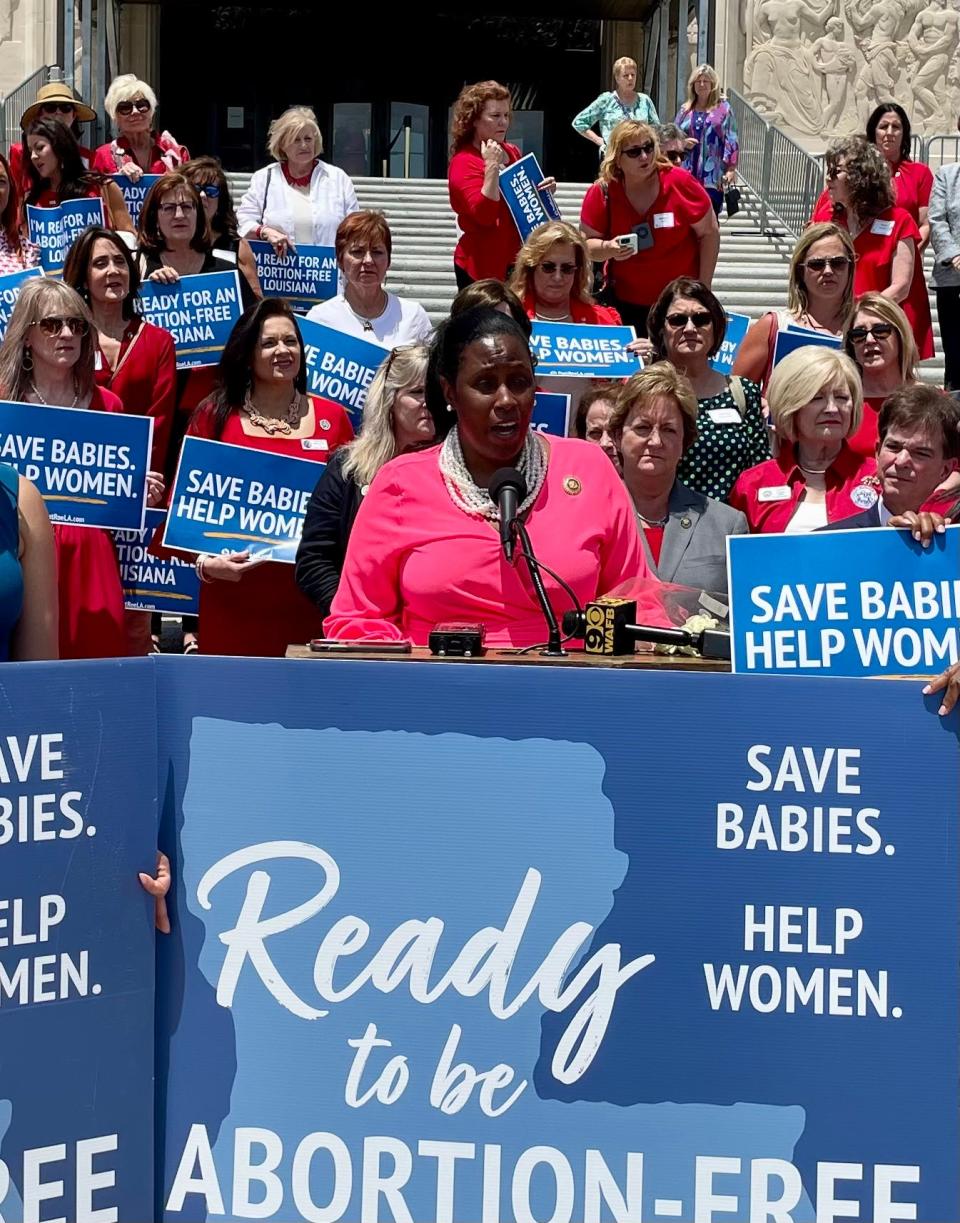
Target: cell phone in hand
628, 240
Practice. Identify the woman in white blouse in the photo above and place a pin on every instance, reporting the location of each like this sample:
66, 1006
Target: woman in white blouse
298, 199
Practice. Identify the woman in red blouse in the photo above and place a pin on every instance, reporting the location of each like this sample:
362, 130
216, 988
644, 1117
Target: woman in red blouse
489, 238
641, 195
248, 607
552, 277
880, 342
885, 237
816, 404
138, 149
57, 173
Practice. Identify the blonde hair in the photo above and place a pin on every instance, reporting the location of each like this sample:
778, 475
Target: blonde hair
36, 298
406, 366
294, 120
659, 379
797, 298
623, 62
709, 72
626, 130
537, 247
887, 310
802, 375
124, 89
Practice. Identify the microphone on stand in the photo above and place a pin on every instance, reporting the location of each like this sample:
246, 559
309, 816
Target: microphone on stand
507, 491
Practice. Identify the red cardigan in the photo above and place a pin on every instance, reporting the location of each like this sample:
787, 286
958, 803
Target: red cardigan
146, 381
490, 239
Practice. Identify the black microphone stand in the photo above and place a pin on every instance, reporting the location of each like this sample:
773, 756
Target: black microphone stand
554, 645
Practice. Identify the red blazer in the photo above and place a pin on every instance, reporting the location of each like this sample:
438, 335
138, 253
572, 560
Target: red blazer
490, 239
769, 493
145, 380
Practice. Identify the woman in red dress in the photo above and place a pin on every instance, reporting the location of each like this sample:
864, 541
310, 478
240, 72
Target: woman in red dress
57, 173
880, 342
47, 357
885, 237
248, 607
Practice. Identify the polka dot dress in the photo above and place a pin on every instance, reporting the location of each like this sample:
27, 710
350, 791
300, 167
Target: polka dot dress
722, 451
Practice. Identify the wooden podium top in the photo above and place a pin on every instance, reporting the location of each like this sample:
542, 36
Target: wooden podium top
576, 658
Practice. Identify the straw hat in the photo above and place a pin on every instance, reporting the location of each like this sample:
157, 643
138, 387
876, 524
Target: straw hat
57, 91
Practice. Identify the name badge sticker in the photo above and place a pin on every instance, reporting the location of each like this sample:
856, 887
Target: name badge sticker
314, 443
663, 220
778, 492
883, 228
724, 416
98, 360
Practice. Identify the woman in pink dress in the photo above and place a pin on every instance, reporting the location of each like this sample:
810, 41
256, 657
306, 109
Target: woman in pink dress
426, 548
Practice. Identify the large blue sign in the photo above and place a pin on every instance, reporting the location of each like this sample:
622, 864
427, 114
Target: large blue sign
580, 348
134, 193
10, 287
167, 583
528, 206
863, 602
663, 992
235, 499
78, 787
89, 467
551, 413
340, 367
790, 340
54, 230
304, 277
737, 326
198, 311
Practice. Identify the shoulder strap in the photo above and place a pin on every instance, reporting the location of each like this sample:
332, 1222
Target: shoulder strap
266, 191
739, 396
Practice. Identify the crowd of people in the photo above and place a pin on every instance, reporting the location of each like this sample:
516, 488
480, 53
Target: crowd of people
401, 531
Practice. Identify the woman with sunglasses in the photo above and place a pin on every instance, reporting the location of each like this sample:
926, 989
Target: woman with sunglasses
819, 298
207, 176
47, 357
622, 102
650, 220
687, 326
57, 173
885, 237
880, 342
396, 420
138, 148
711, 134
553, 276
54, 101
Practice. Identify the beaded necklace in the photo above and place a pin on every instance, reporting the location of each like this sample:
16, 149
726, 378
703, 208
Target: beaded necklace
466, 494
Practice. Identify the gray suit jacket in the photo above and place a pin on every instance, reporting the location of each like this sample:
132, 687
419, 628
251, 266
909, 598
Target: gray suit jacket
694, 551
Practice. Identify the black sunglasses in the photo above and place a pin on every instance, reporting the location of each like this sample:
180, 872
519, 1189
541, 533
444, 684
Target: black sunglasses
880, 331
565, 269
675, 156
127, 108
837, 263
699, 318
635, 150
57, 108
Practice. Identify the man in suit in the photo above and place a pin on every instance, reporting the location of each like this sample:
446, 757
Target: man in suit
918, 450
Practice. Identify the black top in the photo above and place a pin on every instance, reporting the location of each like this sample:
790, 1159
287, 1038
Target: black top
326, 530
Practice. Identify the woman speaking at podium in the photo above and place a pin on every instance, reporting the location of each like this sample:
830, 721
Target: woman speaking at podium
425, 548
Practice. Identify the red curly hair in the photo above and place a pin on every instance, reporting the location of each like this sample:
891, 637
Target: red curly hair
468, 108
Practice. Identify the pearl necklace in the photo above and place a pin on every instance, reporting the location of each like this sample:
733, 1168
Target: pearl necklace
36, 391
466, 494
275, 424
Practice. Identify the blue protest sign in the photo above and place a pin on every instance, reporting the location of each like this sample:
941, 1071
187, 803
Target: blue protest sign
229, 498
78, 821
198, 311
856, 602
134, 193
89, 467
303, 277
528, 206
54, 230
551, 413
585, 350
723, 992
10, 287
153, 583
789, 341
737, 325
340, 367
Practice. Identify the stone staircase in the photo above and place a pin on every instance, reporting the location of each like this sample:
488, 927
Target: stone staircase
751, 274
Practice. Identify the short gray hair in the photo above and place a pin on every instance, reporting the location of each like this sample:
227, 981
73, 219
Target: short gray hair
670, 131
124, 89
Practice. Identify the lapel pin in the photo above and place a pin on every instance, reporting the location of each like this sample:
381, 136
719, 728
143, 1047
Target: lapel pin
572, 485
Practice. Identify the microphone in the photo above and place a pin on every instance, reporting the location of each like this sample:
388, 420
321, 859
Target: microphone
507, 491
607, 627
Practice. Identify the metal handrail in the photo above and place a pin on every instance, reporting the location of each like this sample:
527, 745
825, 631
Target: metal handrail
17, 100
406, 130
940, 150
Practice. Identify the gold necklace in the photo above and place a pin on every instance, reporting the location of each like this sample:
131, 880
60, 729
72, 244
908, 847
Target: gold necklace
284, 424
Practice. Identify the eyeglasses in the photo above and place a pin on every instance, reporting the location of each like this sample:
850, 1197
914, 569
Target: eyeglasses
675, 156
127, 108
170, 210
53, 324
635, 150
836, 262
879, 331
394, 353
57, 108
699, 318
210, 191
565, 269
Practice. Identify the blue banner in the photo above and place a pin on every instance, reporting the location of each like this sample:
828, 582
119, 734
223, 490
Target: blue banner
10, 287
89, 467
583, 349
304, 277
528, 206
856, 602
134, 193
737, 325
54, 230
664, 992
154, 583
234, 499
789, 341
551, 413
198, 311
340, 367
78, 821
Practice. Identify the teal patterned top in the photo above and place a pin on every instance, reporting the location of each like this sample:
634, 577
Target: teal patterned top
608, 111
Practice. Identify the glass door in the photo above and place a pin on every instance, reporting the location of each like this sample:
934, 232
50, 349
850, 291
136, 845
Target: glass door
352, 125
408, 140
